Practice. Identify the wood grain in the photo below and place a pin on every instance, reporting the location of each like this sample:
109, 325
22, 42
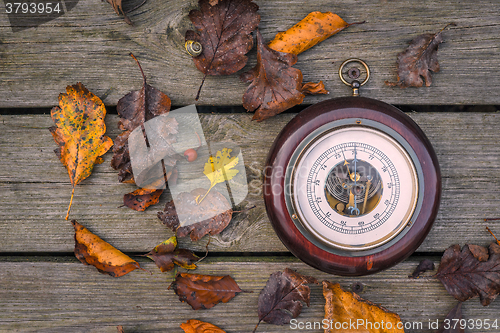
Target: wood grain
67, 296
90, 44
35, 189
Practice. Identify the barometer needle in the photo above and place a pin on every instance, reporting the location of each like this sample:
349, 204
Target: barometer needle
355, 210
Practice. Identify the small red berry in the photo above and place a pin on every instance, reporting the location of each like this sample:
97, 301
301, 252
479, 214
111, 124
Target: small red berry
190, 155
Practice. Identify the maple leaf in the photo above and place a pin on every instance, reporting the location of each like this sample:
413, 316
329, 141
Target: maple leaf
90, 249
197, 326
455, 317
79, 131
141, 198
166, 255
134, 109
344, 306
214, 214
418, 61
223, 28
464, 276
280, 300
204, 291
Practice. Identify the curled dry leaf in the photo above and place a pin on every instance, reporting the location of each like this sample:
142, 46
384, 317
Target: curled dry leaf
454, 316
465, 277
424, 266
417, 63
79, 131
204, 291
142, 198
117, 6
90, 249
281, 298
343, 306
208, 212
313, 29
166, 256
197, 326
223, 28
312, 88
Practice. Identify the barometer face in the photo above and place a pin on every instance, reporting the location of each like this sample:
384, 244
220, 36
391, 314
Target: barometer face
352, 186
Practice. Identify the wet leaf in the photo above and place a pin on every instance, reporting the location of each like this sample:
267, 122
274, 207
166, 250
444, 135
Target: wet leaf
142, 198
465, 277
134, 109
208, 212
117, 6
204, 291
166, 256
344, 306
79, 131
281, 298
454, 317
424, 266
313, 29
90, 249
224, 30
417, 63
196, 326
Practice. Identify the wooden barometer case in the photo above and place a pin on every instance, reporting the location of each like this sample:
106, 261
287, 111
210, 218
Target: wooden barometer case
352, 185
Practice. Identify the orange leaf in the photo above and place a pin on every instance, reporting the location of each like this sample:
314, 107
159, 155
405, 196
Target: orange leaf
313, 29
311, 88
196, 326
79, 132
90, 249
347, 307
142, 198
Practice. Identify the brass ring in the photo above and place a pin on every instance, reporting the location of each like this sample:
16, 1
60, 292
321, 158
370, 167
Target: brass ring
354, 60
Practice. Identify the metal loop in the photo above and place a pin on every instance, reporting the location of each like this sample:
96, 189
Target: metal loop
354, 60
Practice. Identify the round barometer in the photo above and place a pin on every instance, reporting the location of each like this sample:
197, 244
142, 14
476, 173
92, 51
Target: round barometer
352, 185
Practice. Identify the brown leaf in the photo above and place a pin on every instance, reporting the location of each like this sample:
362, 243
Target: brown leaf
79, 131
418, 61
92, 250
275, 85
196, 326
134, 109
345, 307
280, 300
119, 328
454, 317
141, 199
166, 255
479, 252
465, 277
204, 291
424, 266
312, 88
117, 6
213, 202
224, 30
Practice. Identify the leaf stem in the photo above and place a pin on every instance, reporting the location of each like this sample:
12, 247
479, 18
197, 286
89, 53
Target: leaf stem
201, 85
70, 202
140, 67
199, 202
491, 232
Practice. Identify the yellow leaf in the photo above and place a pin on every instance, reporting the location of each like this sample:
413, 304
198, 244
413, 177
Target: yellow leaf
220, 169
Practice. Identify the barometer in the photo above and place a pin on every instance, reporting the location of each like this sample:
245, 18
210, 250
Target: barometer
352, 185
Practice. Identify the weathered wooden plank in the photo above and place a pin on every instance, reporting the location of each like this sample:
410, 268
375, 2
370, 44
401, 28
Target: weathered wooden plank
35, 190
67, 296
91, 44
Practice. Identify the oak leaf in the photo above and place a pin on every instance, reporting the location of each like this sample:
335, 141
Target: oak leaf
281, 298
134, 109
214, 214
79, 131
142, 198
464, 276
419, 61
166, 256
454, 317
224, 30
344, 306
197, 326
204, 291
90, 249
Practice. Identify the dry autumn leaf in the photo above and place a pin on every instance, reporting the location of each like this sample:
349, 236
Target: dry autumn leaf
204, 291
454, 317
166, 256
419, 61
134, 109
90, 249
208, 212
224, 30
347, 307
464, 276
79, 131
424, 266
313, 29
281, 298
142, 198
197, 326
118, 8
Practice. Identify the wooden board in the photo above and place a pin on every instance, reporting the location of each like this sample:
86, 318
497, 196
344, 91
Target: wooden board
63, 295
90, 44
35, 189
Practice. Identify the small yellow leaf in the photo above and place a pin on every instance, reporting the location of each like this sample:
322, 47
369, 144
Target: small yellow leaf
220, 168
